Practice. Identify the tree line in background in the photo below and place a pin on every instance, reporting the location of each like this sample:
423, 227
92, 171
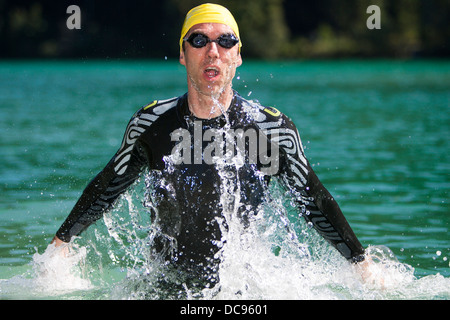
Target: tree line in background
270, 29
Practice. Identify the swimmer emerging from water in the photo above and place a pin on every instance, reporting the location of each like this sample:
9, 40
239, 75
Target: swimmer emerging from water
188, 133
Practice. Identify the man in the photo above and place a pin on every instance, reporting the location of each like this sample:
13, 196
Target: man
202, 170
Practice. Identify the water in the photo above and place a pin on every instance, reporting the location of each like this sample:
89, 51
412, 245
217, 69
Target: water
376, 132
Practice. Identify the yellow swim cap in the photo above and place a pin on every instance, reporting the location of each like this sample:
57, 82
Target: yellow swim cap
209, 13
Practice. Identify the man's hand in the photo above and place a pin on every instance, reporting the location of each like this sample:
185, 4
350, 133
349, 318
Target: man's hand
64, 250
57, 241
371, 273
363, 268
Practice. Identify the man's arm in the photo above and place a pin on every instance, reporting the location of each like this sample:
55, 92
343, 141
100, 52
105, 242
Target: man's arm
329, 221
100, 194
317, 204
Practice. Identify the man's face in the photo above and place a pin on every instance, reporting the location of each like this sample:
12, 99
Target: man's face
210, 69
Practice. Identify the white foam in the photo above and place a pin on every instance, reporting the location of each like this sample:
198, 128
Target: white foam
60, 269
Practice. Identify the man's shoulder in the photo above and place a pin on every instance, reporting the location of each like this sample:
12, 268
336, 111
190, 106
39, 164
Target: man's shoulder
147, 115
275, 124
156, 108
258, 111
265, 114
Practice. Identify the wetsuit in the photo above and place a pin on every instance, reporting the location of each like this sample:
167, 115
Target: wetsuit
177, 148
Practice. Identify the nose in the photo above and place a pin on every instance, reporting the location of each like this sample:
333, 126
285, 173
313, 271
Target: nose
213, 50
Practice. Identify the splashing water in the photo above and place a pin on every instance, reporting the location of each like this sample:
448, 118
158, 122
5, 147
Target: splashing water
59, 271
263, 261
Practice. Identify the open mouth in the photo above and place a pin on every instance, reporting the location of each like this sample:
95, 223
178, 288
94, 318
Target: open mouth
211, 72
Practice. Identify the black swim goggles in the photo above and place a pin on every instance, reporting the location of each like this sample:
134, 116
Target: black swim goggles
198, 40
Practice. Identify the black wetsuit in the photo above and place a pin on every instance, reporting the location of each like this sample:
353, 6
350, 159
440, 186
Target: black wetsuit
188, 200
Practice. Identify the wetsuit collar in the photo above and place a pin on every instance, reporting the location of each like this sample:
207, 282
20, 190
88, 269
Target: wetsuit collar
185, 113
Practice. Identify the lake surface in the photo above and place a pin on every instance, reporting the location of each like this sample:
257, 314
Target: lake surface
376, 132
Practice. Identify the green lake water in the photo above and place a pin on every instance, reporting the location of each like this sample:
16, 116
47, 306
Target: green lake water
376, 132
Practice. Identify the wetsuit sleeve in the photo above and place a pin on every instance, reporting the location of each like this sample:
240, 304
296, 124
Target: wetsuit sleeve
317, 205
100, 194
